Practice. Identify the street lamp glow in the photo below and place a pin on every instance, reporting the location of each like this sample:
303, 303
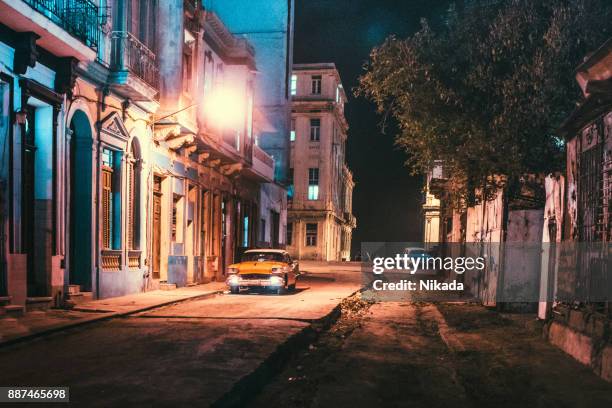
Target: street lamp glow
225, 107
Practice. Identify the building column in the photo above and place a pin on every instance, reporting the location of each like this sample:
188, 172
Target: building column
170, 40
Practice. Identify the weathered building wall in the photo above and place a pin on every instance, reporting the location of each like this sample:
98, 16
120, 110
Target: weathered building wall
551, 237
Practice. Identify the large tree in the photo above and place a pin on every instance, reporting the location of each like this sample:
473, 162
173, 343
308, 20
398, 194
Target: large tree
486, 92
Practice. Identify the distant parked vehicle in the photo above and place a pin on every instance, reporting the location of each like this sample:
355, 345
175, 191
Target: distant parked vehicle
271, 269
417, 252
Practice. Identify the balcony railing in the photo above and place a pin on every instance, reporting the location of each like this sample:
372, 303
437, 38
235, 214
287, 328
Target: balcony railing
132, 55
133, 259
111, 260
80, 18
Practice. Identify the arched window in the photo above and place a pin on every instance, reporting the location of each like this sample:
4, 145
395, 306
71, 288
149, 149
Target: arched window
133, 204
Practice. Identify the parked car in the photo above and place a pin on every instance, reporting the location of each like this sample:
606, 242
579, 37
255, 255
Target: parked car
271, 269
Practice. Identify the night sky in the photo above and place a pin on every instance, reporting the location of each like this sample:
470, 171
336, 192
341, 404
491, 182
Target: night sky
386, 200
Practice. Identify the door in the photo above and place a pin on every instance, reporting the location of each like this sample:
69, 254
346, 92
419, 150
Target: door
27, 196
157, 200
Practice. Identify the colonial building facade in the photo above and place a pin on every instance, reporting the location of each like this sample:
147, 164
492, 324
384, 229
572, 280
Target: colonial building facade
320, 219
130, 158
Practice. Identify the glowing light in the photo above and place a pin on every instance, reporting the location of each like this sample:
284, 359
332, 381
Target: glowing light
225, 108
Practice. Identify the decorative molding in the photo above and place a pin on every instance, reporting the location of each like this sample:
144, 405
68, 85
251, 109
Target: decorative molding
163, 132
229, 169
26, 53
30, 88
66, 75
113, 125
179, 141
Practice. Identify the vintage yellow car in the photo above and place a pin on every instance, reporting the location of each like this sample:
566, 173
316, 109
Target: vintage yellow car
271, 269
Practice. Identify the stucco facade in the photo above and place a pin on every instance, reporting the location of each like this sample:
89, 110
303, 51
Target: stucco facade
130, 149
320, 219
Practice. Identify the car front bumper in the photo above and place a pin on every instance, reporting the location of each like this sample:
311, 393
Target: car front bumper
262, 281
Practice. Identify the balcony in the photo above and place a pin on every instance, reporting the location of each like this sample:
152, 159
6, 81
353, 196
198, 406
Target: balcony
67, 28
135, 68
262, 167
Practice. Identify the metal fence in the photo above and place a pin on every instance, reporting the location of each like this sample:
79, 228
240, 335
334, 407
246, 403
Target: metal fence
81, 18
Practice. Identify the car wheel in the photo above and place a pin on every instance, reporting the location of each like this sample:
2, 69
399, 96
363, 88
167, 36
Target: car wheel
292, 287
235, 290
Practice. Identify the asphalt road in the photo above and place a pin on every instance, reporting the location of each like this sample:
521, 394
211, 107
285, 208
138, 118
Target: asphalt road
187, 354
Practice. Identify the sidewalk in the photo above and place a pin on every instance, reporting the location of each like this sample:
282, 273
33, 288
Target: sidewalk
37, 323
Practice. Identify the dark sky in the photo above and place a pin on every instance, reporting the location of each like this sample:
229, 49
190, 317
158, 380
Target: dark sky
386, 200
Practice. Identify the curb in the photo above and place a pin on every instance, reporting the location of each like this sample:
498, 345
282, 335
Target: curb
72, 325
249, 385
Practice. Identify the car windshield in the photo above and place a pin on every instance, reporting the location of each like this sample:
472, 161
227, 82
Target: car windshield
262, 256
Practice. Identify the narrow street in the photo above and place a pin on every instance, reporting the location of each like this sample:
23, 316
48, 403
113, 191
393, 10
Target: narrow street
190, 353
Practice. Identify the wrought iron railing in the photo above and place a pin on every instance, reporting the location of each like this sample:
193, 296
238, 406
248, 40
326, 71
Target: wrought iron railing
131, 54
81, 18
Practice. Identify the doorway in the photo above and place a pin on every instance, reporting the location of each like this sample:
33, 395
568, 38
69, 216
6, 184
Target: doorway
157, 212
81, 204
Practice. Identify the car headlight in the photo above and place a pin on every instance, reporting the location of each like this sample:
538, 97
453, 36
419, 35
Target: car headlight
232, 270
233, 280
276, 281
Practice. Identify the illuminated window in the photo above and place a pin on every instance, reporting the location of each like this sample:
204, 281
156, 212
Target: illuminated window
292, 134
245, 232
313, 184
311, 234
293, 84
315, 130
290, 186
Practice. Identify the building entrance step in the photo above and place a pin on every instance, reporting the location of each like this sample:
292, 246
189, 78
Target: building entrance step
39, 303
167, 286
12, 310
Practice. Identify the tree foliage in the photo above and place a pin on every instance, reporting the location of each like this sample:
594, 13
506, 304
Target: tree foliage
486, 92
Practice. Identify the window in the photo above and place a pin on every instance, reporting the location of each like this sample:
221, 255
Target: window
245, 231
133, 205
315, 130
177, 219
262, 230
289, 233
311, 234
187, 69
290, 190
316, 84
292, 134
313, 184
293, 84
111, 201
